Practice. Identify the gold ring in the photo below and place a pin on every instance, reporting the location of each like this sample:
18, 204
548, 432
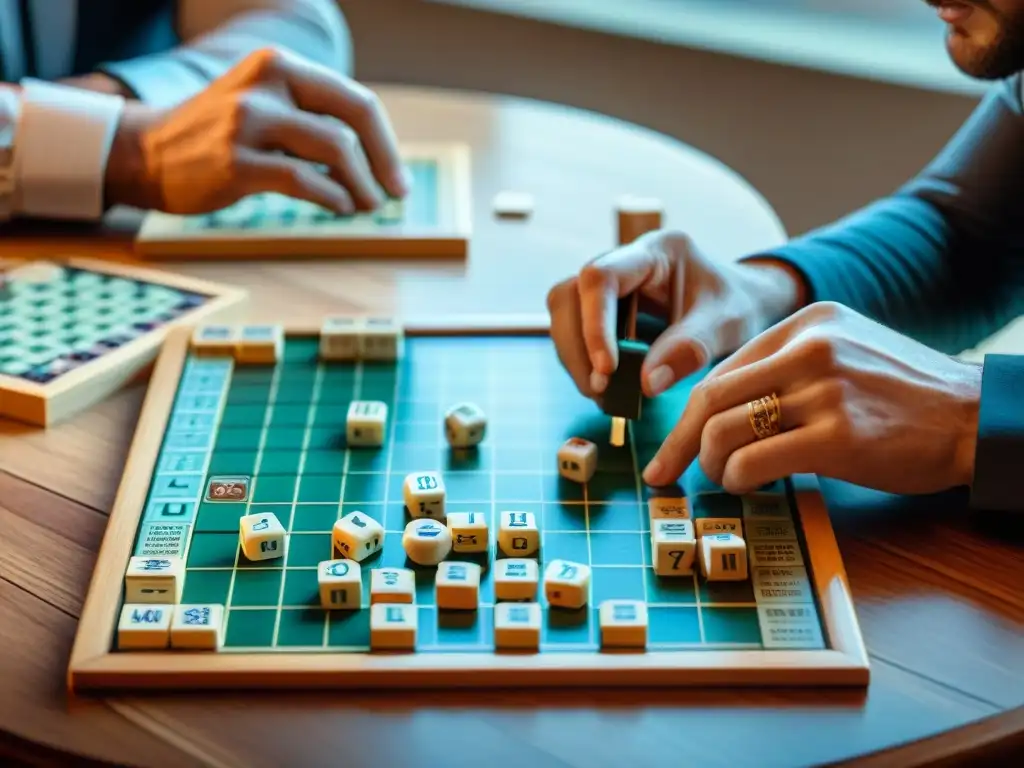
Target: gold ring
765, 415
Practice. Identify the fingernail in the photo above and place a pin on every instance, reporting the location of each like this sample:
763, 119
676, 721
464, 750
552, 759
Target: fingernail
659, 379
602, 361
652, 473
598, 382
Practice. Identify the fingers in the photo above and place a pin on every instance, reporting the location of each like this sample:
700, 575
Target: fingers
319, 89
779, 373
647, 263
683, 349
730, 431
264, 172
328, 142
567, 333
804, 450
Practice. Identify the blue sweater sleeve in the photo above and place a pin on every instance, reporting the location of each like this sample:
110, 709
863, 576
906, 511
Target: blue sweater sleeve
941, 259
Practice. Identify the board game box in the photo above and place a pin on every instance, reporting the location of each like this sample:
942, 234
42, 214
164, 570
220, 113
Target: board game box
231, 459
433, 221
73, 331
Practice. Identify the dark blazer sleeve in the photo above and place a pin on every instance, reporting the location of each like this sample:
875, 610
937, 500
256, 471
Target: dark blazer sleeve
942, 260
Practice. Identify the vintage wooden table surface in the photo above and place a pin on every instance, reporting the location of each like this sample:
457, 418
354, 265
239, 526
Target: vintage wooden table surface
938, 597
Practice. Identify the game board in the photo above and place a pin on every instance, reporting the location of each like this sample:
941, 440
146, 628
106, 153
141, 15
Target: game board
433, 221
72, 332
282, 426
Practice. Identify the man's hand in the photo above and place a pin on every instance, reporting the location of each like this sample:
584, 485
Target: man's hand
711, 307
264, 126
858, 401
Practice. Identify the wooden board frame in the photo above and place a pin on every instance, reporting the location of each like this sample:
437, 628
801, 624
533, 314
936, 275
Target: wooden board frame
45, 405
94, 666
161, 236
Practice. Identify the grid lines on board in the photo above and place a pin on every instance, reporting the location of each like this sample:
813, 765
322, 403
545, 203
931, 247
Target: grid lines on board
301, 470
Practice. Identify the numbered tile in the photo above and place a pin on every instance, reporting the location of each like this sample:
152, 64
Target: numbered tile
357, 536
424, 495
457, 586
259, 344
517, 626
198, 627
339, 338
392, 585
426, 541
518, 534
673, 546
723, 557
516, 578
666, 508
704, 525
465, 425
567, 584
577, 460
393, 627
469, 531
366, 423
215, 340
144, 626
262, 536
341, 584
157, 580
380, 339
623, 623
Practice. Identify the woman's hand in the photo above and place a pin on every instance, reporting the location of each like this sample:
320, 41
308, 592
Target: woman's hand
858, 402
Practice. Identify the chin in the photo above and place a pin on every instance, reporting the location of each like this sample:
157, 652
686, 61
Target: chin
993, 59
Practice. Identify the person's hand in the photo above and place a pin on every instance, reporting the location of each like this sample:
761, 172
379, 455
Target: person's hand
264, 126
858, 402
711, 308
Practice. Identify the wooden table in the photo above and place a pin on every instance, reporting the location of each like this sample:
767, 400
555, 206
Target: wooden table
939, 601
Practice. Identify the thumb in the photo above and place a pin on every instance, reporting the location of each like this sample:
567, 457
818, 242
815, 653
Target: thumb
704, 333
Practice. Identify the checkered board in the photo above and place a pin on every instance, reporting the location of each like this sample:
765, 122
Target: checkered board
432, 221
283, 428
72, 331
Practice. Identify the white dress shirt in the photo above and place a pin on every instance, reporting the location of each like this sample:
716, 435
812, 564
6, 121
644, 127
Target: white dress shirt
61, 136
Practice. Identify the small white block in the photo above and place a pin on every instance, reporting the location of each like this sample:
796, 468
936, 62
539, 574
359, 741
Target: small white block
705, 525
518, 535
144, 626
261, 344
426, 541
198, 627
723, 557
508, 204
357, 536
366, 423
623, 623
261, 536
567, 584
156, 580
517, 626
393, 626
516, 578
469, 531
339, 338
457, 586
340, 583
465, 425
577, 460
673, 546
380, 339
667, 508
392, 585
215, 340
424, 494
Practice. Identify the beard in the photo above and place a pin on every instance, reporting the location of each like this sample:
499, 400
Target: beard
998, 60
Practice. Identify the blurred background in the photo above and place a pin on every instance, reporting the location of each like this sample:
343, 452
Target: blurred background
823, 105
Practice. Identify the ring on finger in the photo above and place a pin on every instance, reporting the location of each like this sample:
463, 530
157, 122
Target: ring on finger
765, 416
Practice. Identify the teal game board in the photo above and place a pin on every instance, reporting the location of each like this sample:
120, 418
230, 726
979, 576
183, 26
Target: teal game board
432, 221
278, 433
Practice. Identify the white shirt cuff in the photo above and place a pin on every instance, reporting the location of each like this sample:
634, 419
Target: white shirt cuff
62, 144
